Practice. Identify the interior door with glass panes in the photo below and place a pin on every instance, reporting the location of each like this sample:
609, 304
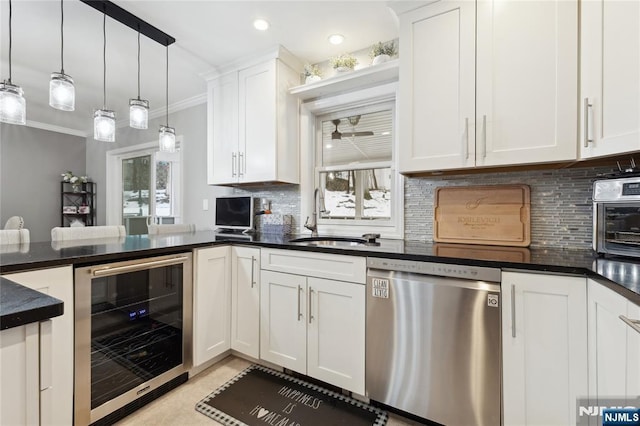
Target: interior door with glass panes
150, 190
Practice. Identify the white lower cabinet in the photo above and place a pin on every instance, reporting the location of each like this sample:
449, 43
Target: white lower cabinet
614, 347
245, 300
20, 370
544, 343
56, 383
314, 325
211, 303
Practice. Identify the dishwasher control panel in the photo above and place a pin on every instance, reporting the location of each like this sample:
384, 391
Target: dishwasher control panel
433, 268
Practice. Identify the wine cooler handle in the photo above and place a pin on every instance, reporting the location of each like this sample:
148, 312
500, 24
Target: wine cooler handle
109, 270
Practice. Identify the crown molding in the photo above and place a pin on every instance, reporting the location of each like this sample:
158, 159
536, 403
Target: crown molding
278, 52
57, 129
174, 107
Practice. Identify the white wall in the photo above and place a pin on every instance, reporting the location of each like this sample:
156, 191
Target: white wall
31, 161
191, 124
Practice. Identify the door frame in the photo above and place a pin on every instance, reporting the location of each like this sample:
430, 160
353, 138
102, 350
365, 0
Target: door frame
113, 185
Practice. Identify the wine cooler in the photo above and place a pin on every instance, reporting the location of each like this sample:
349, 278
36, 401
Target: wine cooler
132, 334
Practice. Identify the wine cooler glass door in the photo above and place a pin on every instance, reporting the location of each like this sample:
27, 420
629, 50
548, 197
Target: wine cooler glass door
137, 329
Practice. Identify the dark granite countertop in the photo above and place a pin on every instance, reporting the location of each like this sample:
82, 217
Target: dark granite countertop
622, 275
20, 305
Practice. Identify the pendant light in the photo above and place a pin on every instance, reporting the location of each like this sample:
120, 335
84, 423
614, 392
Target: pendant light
62, 92
12, 102
167, 134
138, 108
104, 120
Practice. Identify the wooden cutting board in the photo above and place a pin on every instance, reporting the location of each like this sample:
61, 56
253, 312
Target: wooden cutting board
491, 215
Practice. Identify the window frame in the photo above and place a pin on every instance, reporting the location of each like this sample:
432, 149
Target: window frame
359, 100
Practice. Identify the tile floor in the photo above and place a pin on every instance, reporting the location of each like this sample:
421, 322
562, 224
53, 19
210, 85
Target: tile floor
178, 406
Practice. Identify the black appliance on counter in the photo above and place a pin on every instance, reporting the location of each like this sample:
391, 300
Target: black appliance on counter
133, 332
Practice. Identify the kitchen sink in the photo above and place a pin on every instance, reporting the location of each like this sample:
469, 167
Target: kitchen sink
330, 241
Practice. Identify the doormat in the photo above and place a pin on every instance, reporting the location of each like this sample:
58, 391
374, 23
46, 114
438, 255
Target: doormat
259, 396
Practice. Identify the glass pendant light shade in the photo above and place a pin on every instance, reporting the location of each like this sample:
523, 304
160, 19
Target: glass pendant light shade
139, 113
104, 125
167, 139
62, 92
13, 107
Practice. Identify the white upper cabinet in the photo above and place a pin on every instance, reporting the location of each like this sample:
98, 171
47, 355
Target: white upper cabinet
610, 77
253, 123
498, 90
437, 83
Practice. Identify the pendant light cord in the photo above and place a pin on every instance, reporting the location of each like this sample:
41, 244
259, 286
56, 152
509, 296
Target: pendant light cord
167, 82
61, 38
138, 65
104, 61
10, 39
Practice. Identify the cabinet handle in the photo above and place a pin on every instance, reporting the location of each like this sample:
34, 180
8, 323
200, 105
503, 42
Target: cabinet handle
588, 137
233, 164
241, 164
253, 281
299, 313
310, 316
484, 136
465, 139
635, 324
513, 311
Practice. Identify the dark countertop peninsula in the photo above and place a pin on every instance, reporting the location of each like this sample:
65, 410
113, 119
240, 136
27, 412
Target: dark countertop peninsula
620, 274
20, 305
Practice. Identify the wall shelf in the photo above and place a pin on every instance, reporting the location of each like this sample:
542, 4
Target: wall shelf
340, 83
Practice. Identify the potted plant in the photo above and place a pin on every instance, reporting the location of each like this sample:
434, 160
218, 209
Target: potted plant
344, 62
382, 52
312, 73
75, 181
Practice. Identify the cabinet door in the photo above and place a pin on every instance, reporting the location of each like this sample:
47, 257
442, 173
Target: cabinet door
222, 131
19, 369
211, 303
607, 343
57, 396
544, 338
245, 301
526, 81
633, 353
283, 315
336, 333
610, 68
437, 98
257, 123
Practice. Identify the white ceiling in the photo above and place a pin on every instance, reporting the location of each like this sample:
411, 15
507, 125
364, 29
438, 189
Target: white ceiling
209, 35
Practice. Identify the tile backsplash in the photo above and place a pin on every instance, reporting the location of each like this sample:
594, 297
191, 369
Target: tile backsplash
561, 209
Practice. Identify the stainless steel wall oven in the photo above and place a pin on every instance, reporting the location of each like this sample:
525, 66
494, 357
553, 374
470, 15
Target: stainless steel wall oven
133, 331
616, 216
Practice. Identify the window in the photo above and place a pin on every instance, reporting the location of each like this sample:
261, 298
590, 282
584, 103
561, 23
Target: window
354, 166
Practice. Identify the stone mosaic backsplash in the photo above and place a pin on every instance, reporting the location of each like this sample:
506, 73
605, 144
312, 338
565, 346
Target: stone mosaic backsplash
561, 208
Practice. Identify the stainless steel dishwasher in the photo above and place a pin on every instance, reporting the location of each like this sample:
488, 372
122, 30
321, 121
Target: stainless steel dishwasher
433, 341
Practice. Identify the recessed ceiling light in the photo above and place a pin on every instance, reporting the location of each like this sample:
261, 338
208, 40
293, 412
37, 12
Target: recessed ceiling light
336, 38
261, 24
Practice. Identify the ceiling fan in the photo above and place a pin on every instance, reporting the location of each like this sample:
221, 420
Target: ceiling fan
337, 135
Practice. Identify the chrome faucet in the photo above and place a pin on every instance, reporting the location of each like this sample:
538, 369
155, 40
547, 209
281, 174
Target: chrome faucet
313, 225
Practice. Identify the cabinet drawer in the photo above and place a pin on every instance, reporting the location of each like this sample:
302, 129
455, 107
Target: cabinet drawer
321, 265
